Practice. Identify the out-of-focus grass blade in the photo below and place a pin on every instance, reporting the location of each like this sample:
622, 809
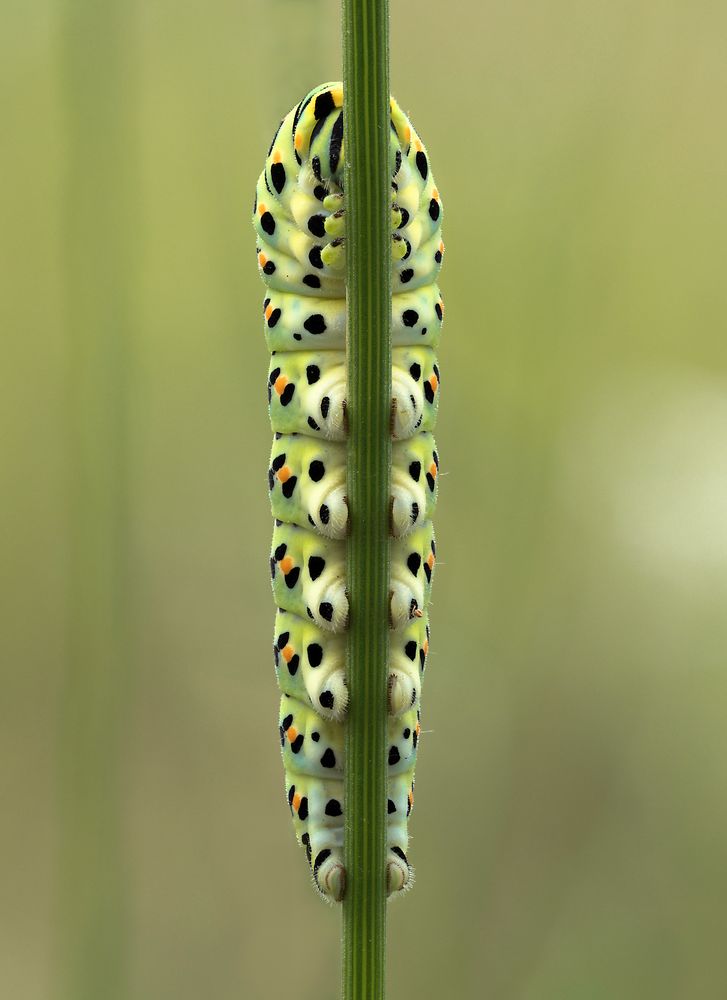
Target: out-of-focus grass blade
99, 97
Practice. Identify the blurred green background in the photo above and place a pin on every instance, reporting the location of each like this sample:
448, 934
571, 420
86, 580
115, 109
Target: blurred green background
570, 833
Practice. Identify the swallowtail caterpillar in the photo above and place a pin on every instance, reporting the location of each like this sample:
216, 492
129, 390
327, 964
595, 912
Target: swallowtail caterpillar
299, 217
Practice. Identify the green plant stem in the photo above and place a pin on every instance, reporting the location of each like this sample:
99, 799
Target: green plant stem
368, 247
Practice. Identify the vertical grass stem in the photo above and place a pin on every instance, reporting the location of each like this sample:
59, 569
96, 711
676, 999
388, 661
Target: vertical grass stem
367, 187
97, 86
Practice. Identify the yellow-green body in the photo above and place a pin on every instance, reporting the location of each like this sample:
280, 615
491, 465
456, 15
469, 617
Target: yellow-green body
300, 220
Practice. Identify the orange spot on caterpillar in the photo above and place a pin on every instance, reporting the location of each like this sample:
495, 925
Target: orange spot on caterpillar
292, 734
280, 382
268, 312
286, 564
433, 470
407, 134
430, 560
419, 728
262, 261
284, 474
441, 247
425, 646
434, 382
287, 653
262, 209
435, 194
296, 802
419, 146
276, 157
411, 798
298, 140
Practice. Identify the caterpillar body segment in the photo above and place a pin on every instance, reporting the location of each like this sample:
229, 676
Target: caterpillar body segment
308, 389
299, 216
310, 664
307, 475
319, 322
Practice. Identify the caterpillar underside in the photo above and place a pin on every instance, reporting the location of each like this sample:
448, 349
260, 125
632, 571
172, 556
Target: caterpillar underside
300, 221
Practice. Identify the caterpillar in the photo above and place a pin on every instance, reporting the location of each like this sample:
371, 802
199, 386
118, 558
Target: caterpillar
299, 217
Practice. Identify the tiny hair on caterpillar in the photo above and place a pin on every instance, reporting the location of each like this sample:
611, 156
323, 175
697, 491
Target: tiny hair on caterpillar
299, 215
